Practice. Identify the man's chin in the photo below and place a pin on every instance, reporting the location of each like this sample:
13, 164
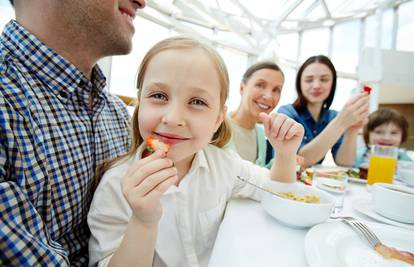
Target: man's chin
121, 48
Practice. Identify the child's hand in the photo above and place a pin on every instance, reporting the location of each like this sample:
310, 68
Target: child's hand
145, 183
284, 133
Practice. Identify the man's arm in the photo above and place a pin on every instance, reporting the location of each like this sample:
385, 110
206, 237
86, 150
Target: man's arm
24, 238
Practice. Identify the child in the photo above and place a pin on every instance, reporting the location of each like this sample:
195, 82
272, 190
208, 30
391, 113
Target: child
386, 127
165, 209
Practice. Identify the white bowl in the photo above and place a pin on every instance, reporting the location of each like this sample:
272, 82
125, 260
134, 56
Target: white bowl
394, 201
406, 176
405, 172
295, 213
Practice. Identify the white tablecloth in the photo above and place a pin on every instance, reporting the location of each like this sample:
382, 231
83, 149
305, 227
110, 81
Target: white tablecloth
249, 237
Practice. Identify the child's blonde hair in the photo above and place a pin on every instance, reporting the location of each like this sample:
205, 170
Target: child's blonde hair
222, 136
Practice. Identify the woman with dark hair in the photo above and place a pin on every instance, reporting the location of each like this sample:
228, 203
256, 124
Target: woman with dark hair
260, 91
325, 128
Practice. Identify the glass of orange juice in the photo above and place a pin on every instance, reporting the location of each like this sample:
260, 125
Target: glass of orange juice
382, 164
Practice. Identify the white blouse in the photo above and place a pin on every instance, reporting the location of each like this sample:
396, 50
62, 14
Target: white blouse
192, 212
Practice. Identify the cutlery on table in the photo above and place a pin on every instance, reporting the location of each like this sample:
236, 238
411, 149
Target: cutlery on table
259, 187
387, 252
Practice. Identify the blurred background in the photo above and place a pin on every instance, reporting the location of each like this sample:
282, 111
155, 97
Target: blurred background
369, 41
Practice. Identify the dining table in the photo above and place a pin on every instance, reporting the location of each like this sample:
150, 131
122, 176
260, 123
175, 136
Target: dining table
248, 236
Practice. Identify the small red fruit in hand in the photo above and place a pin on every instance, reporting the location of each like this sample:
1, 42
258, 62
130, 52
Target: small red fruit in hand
367, 89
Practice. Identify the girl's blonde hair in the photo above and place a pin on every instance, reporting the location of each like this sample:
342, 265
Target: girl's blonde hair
223, 134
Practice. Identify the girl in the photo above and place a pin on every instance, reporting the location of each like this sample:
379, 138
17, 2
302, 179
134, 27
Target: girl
386, 127
325, 128
165, 209
260, 91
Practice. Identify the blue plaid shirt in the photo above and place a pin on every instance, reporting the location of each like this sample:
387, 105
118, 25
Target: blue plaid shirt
52, 138
312, 128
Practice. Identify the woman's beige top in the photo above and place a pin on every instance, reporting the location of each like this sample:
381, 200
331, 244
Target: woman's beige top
245, 141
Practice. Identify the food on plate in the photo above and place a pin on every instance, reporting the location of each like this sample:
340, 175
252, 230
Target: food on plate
308, 198
309, 172
334, 187
332, 172
393, 253
154, 144
354, 173
363, 173
307, 181
306, 176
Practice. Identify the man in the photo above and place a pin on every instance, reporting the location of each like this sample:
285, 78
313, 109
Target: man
57, 123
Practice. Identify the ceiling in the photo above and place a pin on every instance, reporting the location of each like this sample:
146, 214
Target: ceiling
250, 26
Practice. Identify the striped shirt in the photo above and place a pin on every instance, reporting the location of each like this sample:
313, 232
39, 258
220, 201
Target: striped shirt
52, 138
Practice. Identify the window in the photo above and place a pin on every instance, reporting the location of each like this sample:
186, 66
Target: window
370, 31
314, 42
288, 46
236, 63
387, 28
125, 68
6, 13
345, 88
405, 27
387, 25
345, 47
289, 88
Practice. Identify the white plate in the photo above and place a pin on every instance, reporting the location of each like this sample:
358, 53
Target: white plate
352, 179
365, 206
357, 180
335, 244
331, 185
336, 189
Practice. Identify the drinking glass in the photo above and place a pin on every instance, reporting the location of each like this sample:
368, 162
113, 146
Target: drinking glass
382, 164
335, 183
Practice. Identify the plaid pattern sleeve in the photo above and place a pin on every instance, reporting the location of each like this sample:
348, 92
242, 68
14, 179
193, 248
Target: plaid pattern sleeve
52, 138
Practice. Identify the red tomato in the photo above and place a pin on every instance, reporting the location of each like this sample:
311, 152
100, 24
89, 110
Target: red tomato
307, 181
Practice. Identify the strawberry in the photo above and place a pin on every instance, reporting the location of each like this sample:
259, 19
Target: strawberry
154, 144
367, 89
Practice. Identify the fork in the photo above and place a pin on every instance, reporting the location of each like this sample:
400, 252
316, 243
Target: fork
362, 230
387, 252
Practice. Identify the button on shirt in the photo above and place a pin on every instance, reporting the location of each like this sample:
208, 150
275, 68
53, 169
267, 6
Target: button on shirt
52, 138
192, 212
312, 128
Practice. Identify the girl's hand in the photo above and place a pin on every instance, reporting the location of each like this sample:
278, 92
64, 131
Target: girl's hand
355, 112
284, 133
145, 183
